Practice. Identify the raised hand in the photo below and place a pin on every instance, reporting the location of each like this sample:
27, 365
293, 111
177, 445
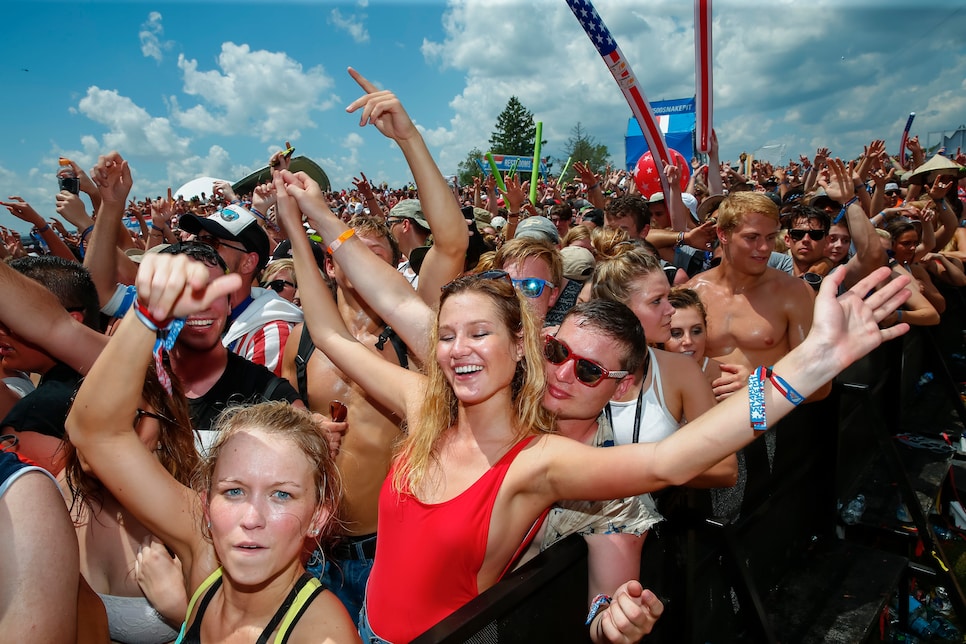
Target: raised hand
516, 194
224, 190
23, 211
846, 327
71, 208
175, 286
382, 109
940, 188
161, 212
263, 197
838, 186
587, 176
112, 175
282, 160
363, 186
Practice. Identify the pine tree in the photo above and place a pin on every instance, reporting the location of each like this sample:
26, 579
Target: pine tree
468, 168
515, 130
584, 148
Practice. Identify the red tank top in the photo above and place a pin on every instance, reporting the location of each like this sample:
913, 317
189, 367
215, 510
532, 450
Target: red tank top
428, 555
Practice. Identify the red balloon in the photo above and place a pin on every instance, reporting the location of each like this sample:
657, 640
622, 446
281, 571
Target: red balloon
648, 179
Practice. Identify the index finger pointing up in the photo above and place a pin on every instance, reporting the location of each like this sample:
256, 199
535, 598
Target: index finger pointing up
364, 82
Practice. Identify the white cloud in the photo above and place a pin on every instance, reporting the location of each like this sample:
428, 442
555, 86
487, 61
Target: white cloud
151, 32
795, 81
263, 93
130, 128
353, 25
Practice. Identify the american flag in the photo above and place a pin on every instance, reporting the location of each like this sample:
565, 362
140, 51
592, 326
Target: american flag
594, 26
607, 48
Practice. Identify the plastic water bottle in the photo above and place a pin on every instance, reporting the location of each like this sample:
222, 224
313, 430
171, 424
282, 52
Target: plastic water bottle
66, 177
854, 510
919, 619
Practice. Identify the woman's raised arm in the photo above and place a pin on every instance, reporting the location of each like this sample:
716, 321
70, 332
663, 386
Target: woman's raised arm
100, 419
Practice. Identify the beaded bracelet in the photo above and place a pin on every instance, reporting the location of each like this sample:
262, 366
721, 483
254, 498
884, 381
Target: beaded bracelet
334, 246
166, 333
600, 601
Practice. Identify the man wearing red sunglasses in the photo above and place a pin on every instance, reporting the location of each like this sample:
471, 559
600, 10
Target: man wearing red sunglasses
591, 359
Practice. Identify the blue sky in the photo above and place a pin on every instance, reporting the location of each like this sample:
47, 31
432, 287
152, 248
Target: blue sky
189, 89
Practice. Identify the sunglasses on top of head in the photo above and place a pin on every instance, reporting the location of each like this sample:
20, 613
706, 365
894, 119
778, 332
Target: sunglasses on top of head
585, 370
494, 274
798, 234
531, 286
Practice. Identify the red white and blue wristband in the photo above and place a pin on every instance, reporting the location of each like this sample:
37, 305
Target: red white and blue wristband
756, 400
166, 332
600, 601
757, 417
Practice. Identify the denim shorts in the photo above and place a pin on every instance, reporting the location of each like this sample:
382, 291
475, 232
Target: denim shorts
346, 579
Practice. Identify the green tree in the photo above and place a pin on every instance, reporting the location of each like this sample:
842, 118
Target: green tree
585, 148
468, 168
515, 130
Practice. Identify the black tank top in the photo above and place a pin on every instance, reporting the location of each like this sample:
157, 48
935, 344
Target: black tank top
193, 634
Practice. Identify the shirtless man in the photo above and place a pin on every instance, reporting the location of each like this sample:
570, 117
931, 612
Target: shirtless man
756, 314
366, 449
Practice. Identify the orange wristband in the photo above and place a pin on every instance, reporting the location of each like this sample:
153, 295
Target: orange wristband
334, 246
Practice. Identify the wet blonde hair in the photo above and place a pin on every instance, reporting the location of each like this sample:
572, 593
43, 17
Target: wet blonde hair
279, 418
520, 249
440, 406
736, 205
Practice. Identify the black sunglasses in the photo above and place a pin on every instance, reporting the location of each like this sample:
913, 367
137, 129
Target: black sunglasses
586, 370
141, 413
278, 285
204, 253
217, 242
798, 234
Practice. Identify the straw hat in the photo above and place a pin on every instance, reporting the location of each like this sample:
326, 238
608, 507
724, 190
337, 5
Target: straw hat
938, 164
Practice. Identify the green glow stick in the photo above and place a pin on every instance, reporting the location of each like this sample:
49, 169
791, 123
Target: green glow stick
513, 168
563, 172
535, 173
496, 173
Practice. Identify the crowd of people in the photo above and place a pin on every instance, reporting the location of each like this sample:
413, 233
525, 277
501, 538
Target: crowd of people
354, 411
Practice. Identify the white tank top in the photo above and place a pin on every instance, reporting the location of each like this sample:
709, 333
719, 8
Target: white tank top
646, 419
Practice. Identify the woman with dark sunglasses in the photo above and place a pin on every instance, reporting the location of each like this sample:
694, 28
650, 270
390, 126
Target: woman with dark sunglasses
479, 466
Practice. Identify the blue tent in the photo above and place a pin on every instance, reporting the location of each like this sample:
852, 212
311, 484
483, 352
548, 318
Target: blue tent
676, 118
